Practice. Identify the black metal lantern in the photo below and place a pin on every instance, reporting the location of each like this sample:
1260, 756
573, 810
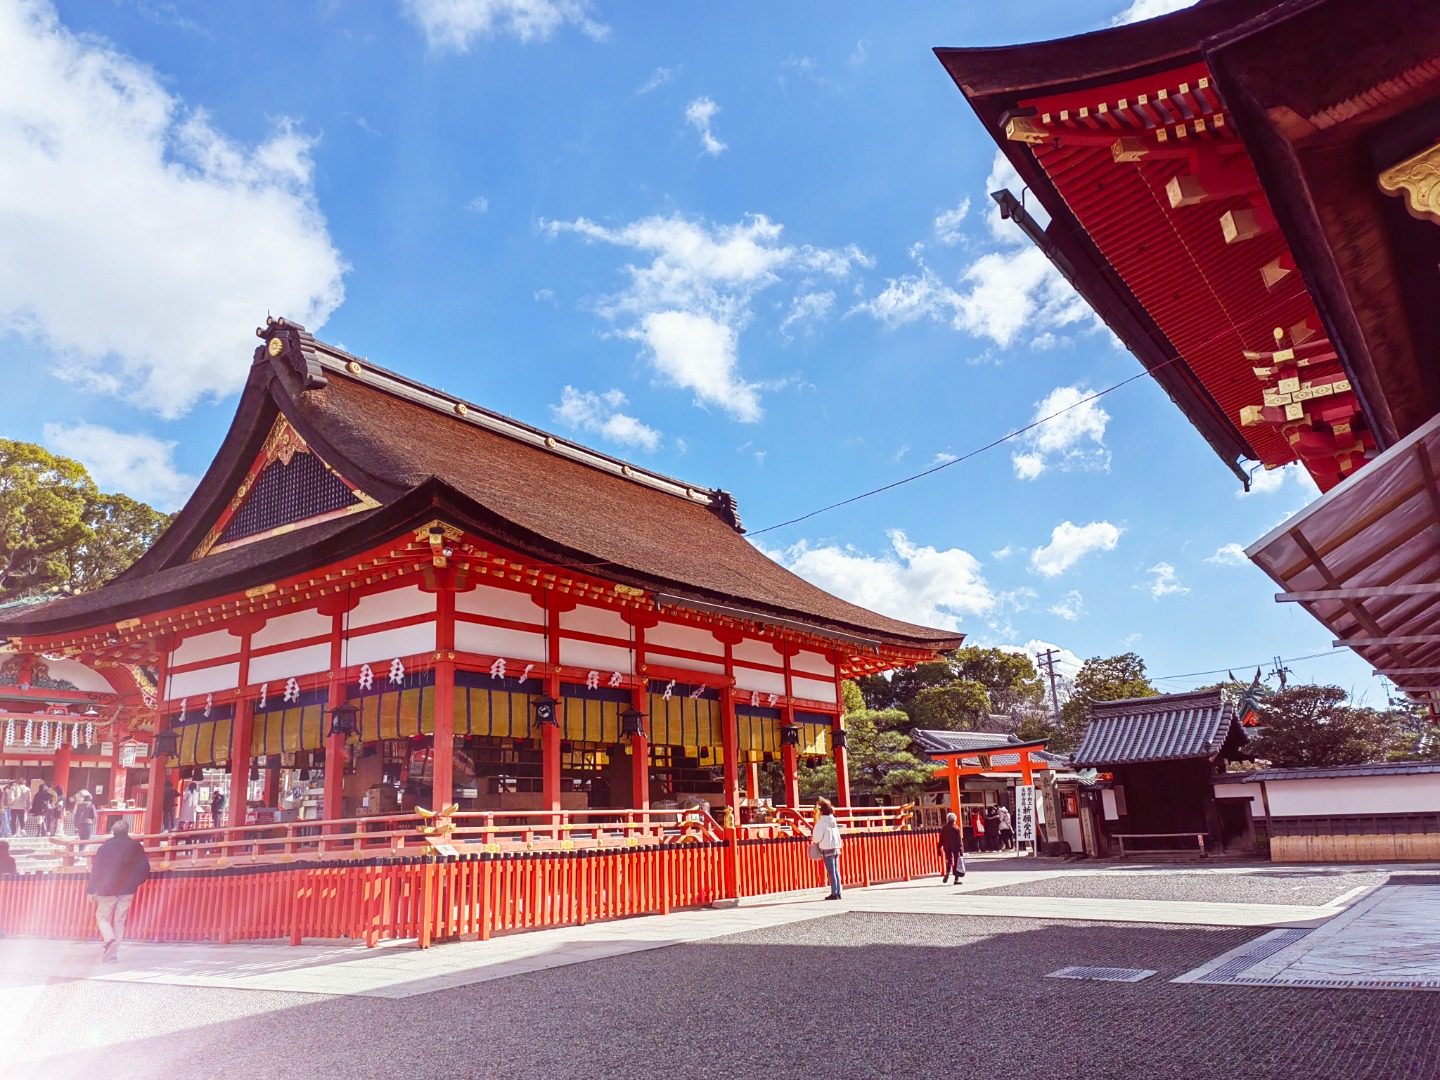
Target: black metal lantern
789, 735
167, 744
632, 722
345, 720
839, 739
545, 712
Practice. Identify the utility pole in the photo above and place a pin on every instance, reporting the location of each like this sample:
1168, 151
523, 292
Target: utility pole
1280, 671
1048, 659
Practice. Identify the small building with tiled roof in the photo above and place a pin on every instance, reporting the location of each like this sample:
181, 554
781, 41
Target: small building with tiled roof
1160, 756
379, 586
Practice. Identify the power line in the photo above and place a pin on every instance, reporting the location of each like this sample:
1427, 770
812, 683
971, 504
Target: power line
1255, 663
966, 456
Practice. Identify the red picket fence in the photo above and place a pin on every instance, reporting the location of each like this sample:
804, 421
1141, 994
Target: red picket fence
434, 899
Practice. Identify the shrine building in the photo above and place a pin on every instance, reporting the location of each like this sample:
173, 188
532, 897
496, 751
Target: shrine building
1245, 192
381, 596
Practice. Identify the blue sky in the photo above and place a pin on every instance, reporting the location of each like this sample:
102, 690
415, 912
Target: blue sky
746, 244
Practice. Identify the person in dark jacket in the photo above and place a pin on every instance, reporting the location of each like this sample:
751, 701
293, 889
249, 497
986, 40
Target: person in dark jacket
992, 828
171, 806
119, 868
85, 816
952, 850
40, 808
7, 861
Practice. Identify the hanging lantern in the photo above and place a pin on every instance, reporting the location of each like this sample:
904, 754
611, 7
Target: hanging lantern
167, 745
345, 720
789, 735
545, 712
632, 722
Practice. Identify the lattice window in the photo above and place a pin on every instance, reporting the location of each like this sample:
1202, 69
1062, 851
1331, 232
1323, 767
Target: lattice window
286, 493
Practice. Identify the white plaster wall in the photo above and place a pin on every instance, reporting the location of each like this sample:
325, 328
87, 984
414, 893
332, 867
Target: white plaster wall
388, 644
395, 604
283, 665
293, 627
203, 681
83, 677
603, 658
495, 641
767, 682
500, 604
1242, 791
689, 638
205, 647
686, 663
813, 663
813, 689
758, 652
1416, 793
594, 620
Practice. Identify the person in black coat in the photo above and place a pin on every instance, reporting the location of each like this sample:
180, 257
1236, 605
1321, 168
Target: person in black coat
85, 816
119, 868
952, 850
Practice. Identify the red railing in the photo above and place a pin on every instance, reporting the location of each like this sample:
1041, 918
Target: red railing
475, 894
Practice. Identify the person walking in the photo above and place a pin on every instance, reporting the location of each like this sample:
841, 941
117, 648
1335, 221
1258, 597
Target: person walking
826, 840
18, 803
952, 850
55, 818
992, 828
1007, 830
190, 806
217, 807
40, 805
977, 828
85, 815
171, 806
119, 868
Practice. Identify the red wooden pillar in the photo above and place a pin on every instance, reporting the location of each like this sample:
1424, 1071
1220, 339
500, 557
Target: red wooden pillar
332, 803
550, 748
752, 780
60, 768
789, 761
241, 728
640, 753
842, 763
271, 795
158, 767
730, 745
952, 768
442, 787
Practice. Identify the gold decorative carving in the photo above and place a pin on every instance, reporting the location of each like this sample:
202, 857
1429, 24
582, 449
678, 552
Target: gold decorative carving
1417, 181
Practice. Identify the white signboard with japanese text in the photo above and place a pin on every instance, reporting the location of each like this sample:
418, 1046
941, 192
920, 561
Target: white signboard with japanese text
1024, 814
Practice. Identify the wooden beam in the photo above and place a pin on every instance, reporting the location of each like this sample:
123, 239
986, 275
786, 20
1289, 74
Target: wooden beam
1403, 639
1359, 592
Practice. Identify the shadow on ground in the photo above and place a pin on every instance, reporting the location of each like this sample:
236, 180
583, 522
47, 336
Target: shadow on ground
853, 995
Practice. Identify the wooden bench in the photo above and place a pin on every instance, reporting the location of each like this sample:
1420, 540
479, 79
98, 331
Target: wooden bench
1198, 837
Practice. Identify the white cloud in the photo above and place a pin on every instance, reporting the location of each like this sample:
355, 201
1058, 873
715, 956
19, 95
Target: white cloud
1148, 9
658, 78
1000, 295
1073, 439
925, 585
947, 224
478, 205
1071, 607
137, 465
454, 25
944, 457
1164, 581
859, 54
1269, 481
699, 114
586, 410
810, 307
544, 296
1069, 543
689, 304
139, 244
1228, 555
1067, 663
1004, 552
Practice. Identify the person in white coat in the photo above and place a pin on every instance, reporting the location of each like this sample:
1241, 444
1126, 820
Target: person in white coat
826, 838
190, 806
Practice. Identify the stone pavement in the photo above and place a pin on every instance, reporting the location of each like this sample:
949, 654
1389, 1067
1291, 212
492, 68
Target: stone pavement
906, 980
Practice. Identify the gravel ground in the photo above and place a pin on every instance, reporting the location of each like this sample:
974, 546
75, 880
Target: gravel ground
851, 995
1303, 887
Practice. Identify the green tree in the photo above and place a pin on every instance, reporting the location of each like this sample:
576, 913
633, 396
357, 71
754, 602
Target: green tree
960, 705
1008, 678
58, 531
1313, 725
1110, 678
882, 767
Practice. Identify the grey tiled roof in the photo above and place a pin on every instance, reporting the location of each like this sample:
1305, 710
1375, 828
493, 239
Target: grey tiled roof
1171, 727
931, 741
1337, 772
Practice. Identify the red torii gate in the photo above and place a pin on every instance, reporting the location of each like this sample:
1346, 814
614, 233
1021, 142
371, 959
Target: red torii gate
1000, 758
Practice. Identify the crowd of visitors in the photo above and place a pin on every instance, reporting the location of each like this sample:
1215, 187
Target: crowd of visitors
37, 808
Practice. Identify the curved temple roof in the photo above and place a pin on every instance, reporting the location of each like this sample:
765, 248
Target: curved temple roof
416, 453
